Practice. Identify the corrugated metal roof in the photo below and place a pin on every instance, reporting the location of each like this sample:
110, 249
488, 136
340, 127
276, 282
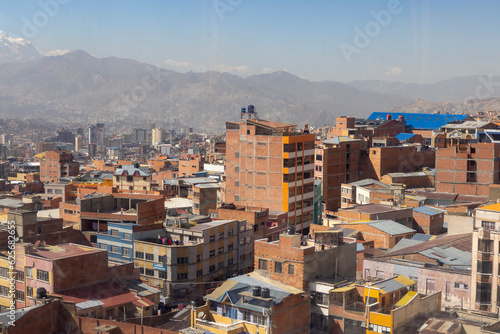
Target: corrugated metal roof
390, 227
338, 140
89, 304
423, 237
394, 284
404, 243
427, 210
406, 298
421, 121
404, 136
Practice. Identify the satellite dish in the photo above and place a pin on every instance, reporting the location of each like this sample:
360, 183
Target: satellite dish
201, 315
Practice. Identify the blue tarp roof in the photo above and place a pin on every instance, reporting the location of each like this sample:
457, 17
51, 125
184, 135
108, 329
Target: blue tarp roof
421, 121
404, 136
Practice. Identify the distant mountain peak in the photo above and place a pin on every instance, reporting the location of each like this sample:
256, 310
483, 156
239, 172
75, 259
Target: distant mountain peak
16, 49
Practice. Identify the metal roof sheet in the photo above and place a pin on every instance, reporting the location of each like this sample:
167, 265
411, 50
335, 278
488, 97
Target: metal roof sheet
89, 304
406, 298
421, 121
427, 210
390, 227
394, 284
404, 136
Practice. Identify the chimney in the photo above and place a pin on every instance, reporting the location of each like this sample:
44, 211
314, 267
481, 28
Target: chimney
388, 117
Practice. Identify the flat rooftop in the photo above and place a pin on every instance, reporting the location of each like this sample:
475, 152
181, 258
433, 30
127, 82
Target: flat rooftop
63, 251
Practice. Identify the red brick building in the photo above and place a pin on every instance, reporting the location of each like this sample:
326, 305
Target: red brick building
468, 169
58, 164
337, 161
383, 160
271, 165
428, 220
295, 260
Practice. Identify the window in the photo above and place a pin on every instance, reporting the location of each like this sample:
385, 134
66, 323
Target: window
139, 255
484, 267
211, 238
221, 235
150, 272
103, 246
211, 253
19, 295
182, 260
487, 225
4, 272
263, 264
20, 276
110, 313
130, 178
199, 273
4, 291
291, 269
29, 272
220, 250
29, 291
115, 249
39, 229
141, 270
150, 256
115, 233
230, 247
126, 252
182, 276
485, 246
162, 274
198, 258
127, 236
42, 275
483, 293
211, 268
277, 267
230, 262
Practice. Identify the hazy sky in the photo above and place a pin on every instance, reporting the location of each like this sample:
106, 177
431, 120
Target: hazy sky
409, 41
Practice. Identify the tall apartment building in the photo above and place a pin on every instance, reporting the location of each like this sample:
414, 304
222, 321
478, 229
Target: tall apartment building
271, 165
58, 164
468, 169
485, 281
337, 161
185, 256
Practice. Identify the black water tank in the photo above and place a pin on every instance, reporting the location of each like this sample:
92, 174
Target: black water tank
291, 229
41, 293
266, 293
256, 291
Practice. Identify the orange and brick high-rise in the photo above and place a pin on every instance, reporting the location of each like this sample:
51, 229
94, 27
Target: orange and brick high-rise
271, 165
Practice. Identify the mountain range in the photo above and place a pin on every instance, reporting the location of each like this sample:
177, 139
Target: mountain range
77, 89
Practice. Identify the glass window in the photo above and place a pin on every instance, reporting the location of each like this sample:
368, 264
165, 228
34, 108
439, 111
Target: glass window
42, 275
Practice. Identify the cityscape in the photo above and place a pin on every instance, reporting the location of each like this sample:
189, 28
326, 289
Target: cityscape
227, 167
